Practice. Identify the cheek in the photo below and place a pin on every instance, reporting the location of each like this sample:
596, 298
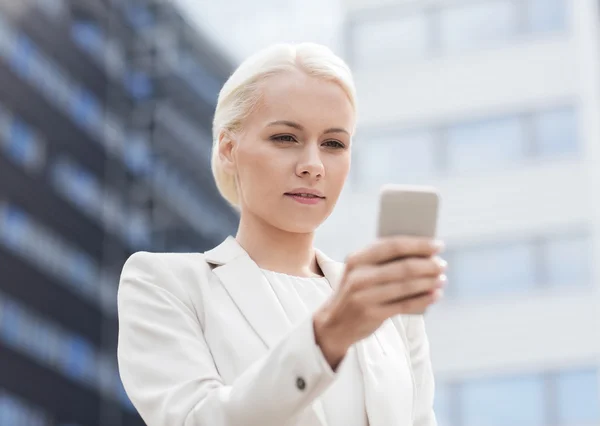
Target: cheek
258, 170
338, 169
250, 161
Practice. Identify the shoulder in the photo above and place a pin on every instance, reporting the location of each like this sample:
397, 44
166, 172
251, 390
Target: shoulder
179, 275
164, 262
162, 265
165, 269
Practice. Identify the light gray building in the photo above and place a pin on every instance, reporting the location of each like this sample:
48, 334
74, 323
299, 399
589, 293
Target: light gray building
497, 104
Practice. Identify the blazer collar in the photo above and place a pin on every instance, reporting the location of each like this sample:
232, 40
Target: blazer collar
230, 250
249, 288
225, 252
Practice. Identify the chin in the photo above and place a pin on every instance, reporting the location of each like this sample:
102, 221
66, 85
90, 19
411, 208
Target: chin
302, 229
300, 226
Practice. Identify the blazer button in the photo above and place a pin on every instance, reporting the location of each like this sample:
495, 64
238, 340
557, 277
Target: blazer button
300, 383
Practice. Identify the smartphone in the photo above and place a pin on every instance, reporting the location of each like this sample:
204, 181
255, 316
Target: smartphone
408, 210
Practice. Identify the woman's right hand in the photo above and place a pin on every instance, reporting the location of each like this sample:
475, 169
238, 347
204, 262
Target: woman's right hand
395, 275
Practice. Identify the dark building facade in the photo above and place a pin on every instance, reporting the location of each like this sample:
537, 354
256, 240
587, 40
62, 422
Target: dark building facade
105, 119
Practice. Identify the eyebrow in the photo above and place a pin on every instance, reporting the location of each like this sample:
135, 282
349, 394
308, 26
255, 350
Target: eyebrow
301, 128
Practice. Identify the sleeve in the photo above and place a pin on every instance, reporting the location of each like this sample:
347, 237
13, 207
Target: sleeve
422, 370
168, 372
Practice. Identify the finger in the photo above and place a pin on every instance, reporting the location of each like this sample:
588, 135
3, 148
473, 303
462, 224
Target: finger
364, 277
410, 306
393, 292
386, 249
409, 268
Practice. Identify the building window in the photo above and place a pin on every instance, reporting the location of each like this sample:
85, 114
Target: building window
16, 411
20, 142
488, 145
114, 58
407, 158
546, 15
75, 100
78, 358
443, 404
452, 29
481, 24
555, 132
138, 15
484, 271
78, 185
578, 397
485, 145
90, 37
137, 154
14, 227
52, 82
54, 8
86, 110
68, 353
138, 229
138, 84
22, 53
504, 402
45, 342
7, 38
198, 77
48, 251
386, 42
567, 261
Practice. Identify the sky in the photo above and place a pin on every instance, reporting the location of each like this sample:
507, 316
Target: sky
241, 27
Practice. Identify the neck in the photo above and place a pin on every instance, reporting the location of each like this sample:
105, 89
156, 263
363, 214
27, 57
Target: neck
277, 250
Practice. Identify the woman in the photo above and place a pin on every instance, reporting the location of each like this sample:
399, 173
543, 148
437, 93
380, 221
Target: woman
264, 329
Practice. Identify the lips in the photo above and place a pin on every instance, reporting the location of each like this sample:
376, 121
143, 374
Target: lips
306, 196
303, 194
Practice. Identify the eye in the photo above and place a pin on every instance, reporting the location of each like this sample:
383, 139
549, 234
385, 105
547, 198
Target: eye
283, 138
334, 144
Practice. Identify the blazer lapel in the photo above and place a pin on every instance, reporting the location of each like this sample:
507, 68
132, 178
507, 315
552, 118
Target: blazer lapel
255, 298
250, 291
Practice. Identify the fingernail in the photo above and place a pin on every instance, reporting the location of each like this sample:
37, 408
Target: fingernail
438, 245
442, 280
443, 264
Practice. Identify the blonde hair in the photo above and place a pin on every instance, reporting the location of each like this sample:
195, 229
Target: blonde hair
242, 91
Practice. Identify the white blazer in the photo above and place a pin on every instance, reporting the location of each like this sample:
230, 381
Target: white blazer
203, 341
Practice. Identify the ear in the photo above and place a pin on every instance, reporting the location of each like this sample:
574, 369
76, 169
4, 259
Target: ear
227, 145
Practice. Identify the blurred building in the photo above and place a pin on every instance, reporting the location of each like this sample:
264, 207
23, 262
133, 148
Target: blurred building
497, 104
105, 121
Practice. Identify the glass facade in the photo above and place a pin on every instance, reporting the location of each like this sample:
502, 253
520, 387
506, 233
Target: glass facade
547, 15
578, 397
556, 133
520, 266
391, 41
558, 397
568, 260
477, 25
503, 402
449, 29
484, 145
15, 411
404, 158
513, 267
81, 176
472, 148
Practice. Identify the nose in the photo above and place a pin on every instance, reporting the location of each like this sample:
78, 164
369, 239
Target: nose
310, 164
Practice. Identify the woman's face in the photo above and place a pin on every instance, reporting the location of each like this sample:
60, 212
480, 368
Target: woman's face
296, 142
